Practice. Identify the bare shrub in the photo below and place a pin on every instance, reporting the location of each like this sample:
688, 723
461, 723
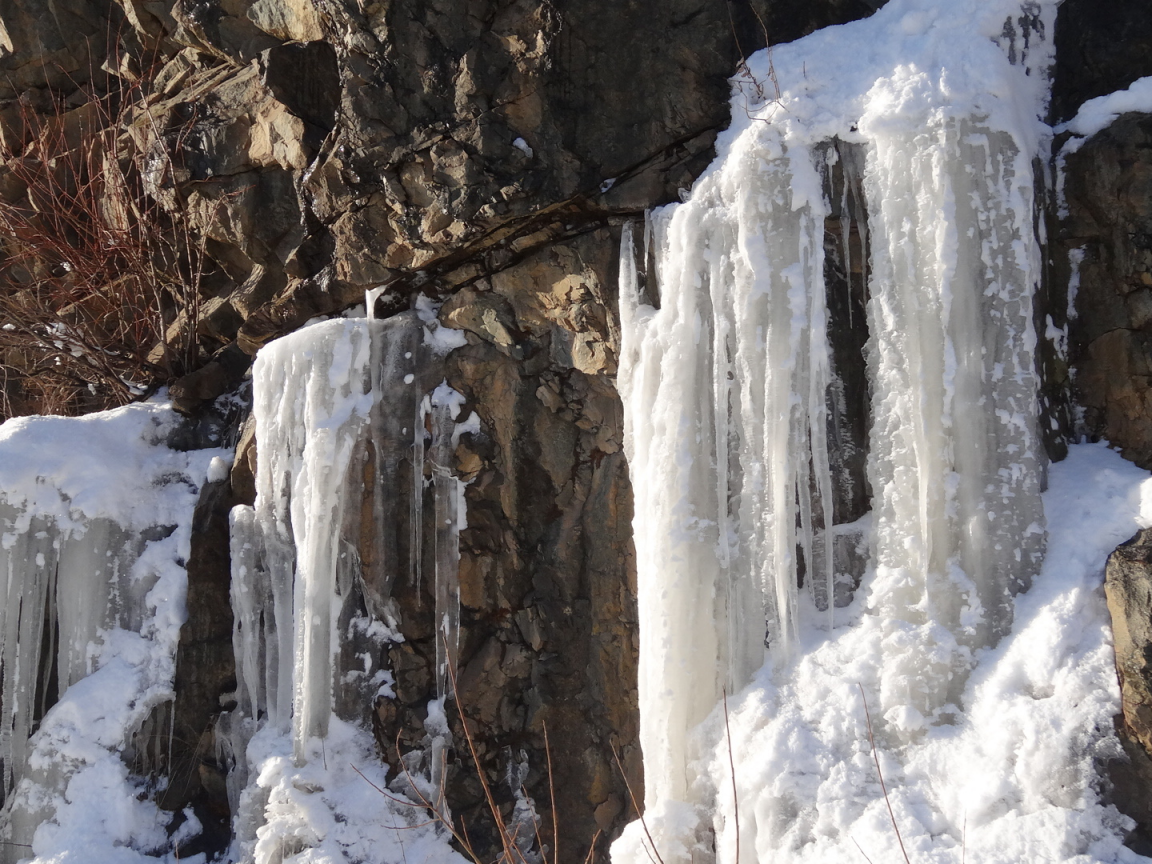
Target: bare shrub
99, 285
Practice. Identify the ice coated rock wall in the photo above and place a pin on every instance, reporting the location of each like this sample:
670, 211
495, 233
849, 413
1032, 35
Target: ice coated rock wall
347, 416
523, 238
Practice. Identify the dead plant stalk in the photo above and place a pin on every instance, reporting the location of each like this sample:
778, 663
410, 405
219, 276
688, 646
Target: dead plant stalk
93, 270
880, 774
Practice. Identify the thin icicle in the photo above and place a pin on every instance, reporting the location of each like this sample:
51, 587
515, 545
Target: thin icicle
416, 516
445, 405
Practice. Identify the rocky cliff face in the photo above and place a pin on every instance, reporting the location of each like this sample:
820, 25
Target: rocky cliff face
1128, 586
1103, 245
485, 154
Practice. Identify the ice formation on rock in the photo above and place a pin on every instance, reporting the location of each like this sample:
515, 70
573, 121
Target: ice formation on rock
725, 374
95, 526
347, 415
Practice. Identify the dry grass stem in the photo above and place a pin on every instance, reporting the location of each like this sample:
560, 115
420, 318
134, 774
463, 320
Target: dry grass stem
880, 774
99, 284
552, 795
732, 766
636, 806
860, 850
439, 814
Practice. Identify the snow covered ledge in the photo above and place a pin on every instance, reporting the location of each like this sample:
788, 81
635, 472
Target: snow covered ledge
95, 528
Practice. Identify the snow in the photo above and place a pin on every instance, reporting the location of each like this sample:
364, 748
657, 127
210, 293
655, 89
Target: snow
96, 518
1098, 114
1009, 777
335, 806
76, 469
985, 663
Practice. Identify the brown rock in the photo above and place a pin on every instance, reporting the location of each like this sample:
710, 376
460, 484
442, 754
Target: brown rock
1128, 587
289, 20
1109, 193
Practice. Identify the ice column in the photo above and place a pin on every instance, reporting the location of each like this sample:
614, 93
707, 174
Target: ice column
448, 490
343, 428
314, 401
724, 387
61, 588
954, 452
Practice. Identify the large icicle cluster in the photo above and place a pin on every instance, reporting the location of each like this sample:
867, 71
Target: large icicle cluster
95, 526
955, 457
726, 377
348, 415
724, 389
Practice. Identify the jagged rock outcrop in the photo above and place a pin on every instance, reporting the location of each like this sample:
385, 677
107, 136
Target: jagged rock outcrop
1100, 48
1109, 232
1102, 245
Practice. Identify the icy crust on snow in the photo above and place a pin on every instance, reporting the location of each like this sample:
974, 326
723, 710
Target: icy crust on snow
1010, 778
96, 519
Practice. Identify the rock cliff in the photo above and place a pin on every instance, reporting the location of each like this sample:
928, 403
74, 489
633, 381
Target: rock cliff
485, 154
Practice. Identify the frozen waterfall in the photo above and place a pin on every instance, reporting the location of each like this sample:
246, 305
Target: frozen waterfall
727, 387
928, 113
349, 413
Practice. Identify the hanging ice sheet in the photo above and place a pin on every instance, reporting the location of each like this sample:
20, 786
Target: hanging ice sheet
296, 554
724, 390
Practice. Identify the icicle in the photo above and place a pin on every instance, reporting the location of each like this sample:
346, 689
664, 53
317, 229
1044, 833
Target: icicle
448, 491
954, 444
726, 397
312, 402
29, 560
416, 516
253, 632
725, 390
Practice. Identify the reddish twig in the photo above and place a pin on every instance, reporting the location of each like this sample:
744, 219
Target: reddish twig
552, 796
636, 807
